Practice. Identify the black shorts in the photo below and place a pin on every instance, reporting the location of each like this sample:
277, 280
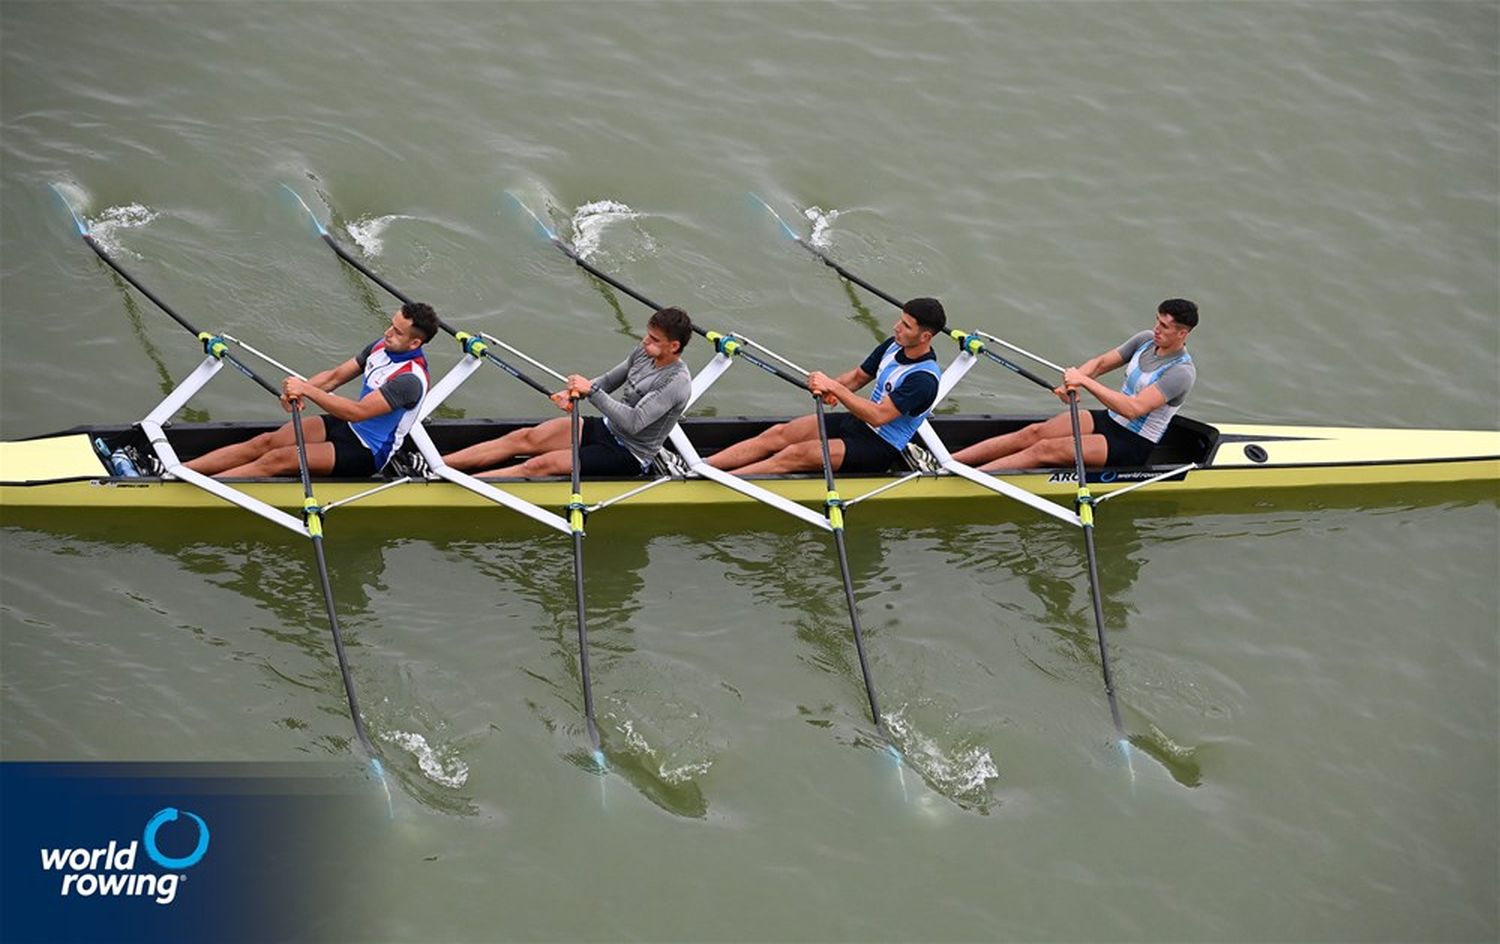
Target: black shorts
1125, 448
600, 454
351, 458
864, 450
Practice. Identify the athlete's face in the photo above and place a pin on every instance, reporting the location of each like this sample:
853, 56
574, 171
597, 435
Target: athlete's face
656, 345
1168, 334
908, 333
402, 335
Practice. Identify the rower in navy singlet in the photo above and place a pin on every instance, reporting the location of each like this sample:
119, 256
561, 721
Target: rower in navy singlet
357, 437
874, 431
1159, 374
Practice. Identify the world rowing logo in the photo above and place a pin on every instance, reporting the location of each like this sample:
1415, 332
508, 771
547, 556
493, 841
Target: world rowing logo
110, 871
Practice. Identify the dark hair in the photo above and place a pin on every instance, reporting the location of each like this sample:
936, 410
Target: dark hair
423, 318
1181, 311
928, 313
675, 324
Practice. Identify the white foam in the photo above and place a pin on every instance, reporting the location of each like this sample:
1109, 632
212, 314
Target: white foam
965, 776
117, 218
591, 219
822, 222
366, 232
448, 771
672, 775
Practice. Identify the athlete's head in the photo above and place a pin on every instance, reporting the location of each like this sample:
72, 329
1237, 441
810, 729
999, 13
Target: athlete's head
422, 318
927, 313
1180, 310
674, 324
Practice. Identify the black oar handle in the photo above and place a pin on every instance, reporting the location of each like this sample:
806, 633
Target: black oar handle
474, 346
212, 345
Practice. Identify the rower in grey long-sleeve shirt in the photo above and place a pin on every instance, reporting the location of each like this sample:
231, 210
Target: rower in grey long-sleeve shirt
651, 400
654, 387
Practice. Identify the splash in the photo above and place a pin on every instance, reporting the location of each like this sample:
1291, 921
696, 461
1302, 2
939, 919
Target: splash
822, 221
683, 773
963, 775
591, 219
367, 232
446, 770
117, 218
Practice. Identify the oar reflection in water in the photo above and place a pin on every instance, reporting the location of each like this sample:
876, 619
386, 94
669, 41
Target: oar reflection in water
656, 719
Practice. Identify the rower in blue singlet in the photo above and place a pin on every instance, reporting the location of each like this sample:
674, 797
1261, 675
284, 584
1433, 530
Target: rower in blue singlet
874, 431
1159, 375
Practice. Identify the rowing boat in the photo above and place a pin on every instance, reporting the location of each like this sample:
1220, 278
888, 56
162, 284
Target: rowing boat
67, 470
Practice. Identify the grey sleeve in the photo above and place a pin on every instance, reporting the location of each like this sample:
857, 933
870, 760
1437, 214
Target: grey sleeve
611, 379
651, 407
1127, 350
363, 357
1176, 381
403, 392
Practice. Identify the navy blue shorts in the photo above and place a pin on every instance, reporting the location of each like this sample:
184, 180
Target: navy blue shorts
864, 450
601, 455
351, 459
1125, 447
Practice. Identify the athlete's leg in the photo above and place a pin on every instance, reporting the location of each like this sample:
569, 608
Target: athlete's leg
768, 443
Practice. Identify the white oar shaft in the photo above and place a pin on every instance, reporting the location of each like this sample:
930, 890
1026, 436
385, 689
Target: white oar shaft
1020, 350
263, 356
365, 494
630, 494
523, 356
765, 350
850, 503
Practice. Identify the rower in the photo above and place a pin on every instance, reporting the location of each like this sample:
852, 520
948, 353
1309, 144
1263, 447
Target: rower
871, 436
357, 437
1157, 381
655, 386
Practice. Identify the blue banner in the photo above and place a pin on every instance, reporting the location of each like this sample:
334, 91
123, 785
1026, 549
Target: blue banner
177, 852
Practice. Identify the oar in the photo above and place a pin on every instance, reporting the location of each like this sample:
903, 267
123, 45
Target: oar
470, 343
575, 519
833, 504
477, 347
311, 512
970, 343
835, 507
1085, 505
973, 344
727, 343
824, 256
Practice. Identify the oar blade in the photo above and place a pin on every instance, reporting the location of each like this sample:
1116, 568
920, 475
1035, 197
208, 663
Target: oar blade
542, 228
312, 217
787, 230
83, 229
